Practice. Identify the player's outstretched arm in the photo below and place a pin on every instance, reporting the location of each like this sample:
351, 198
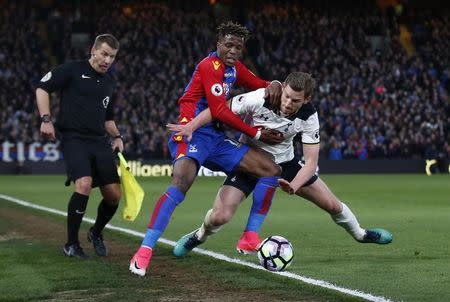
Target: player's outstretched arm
200, 120
311, 154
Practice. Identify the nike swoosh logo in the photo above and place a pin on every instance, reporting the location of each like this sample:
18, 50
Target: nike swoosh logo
85, 77
79, 212
135, 265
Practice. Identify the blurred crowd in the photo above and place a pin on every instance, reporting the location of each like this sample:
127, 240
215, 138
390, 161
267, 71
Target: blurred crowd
375, 99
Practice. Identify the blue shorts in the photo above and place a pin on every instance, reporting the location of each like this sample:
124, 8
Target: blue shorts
209, 148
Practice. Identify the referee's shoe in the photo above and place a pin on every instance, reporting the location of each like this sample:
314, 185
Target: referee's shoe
99, 246
74, 250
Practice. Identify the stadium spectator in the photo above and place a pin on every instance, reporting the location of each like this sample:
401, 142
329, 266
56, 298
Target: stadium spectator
370, 94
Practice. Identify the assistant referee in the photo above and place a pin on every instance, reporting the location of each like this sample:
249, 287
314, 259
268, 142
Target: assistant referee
87, 132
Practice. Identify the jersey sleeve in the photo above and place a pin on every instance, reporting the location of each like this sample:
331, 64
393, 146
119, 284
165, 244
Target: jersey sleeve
56, 79
311, 130
211, 74
246, 78
247, 102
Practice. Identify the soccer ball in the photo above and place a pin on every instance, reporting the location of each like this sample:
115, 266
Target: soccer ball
275, 253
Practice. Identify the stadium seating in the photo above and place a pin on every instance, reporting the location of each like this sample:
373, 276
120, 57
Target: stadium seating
374, 100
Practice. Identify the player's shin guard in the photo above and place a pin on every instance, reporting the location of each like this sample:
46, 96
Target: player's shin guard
207, 229
75, 212
161, 215
262, 200
348, 221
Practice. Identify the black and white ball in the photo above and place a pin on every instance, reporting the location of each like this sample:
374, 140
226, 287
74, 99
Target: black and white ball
275, 253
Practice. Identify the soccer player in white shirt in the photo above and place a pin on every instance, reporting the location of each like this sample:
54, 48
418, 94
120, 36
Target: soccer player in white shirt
295, 115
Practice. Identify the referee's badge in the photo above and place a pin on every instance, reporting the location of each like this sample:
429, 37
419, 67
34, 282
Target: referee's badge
105, 101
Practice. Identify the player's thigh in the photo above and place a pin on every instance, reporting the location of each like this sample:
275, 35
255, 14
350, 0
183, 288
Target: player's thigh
105, 165
258, 164
184, 173
187, 158
319, 193
76, 158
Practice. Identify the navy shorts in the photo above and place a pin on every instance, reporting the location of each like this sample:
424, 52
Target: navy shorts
209, 148
246, 182
90, 157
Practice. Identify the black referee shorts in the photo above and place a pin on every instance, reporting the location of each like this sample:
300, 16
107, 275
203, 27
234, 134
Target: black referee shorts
246, 182
90, 157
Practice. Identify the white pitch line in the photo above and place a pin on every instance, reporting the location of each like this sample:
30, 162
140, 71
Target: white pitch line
321, 283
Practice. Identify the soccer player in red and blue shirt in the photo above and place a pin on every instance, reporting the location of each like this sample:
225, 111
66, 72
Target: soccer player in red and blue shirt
209, 87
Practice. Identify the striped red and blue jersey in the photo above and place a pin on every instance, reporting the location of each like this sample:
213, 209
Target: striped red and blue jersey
210, 86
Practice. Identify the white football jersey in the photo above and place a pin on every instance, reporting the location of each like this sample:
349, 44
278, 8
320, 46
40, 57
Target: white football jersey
250, 106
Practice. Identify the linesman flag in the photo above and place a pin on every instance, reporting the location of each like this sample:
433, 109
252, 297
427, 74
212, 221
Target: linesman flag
132, 191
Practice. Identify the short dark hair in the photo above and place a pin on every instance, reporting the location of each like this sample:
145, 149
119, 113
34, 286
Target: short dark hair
301, 81
231, 28
108, 39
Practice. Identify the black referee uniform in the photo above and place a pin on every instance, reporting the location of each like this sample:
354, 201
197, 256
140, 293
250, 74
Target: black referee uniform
85, 106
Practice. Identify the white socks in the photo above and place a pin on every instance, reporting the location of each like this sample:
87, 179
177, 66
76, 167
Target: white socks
348, 221
207, 228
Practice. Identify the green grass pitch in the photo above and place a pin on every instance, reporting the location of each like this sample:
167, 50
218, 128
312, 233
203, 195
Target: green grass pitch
415, 208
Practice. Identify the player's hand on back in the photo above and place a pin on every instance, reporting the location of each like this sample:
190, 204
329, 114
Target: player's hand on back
271, 137
181, 130
48, 130
273, 94
286, 186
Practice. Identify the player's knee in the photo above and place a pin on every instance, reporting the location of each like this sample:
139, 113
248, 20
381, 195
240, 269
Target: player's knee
220, 217
181, 182
114, 198
332, 206
83, 186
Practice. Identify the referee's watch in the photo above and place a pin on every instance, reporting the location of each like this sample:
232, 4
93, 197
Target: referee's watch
118, 136
46, 118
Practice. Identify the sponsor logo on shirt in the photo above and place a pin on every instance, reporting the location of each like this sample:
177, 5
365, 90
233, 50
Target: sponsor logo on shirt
216, 65
85, 76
